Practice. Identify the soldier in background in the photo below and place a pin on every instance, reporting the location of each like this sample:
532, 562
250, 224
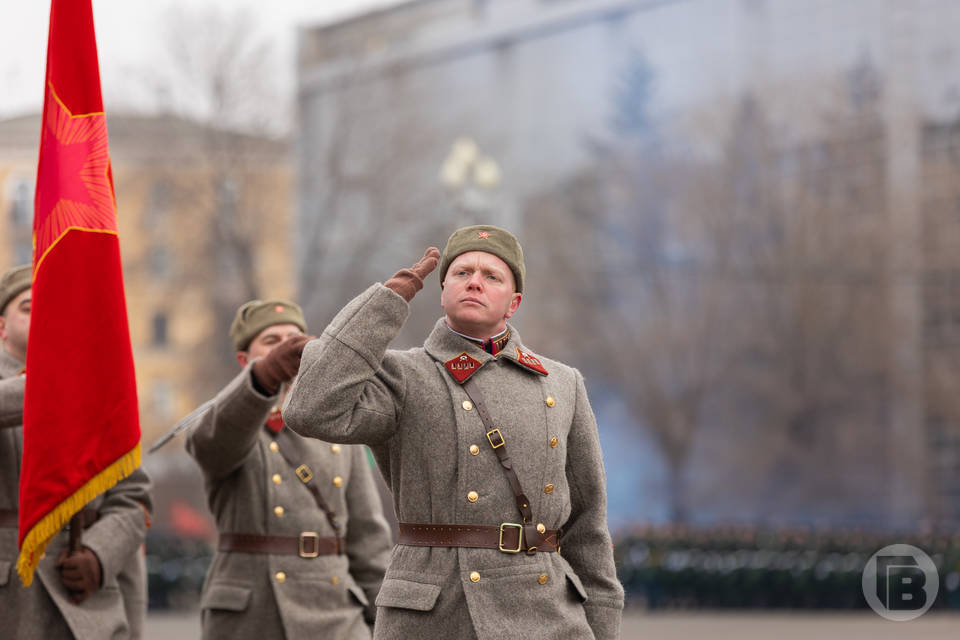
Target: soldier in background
491, 452
303, 543
100, 591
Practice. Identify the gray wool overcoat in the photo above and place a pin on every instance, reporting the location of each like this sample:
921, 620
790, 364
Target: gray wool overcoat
42, 611
266, 596
411, 411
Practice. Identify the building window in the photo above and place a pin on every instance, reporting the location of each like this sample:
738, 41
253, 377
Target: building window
161, 399
21, 219
160, 338
161, 262
21, 213
158, 204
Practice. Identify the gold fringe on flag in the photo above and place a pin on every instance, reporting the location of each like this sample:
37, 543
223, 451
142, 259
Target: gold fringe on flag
37, 539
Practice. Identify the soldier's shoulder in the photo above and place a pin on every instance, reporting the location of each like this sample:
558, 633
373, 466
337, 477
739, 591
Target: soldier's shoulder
414, 357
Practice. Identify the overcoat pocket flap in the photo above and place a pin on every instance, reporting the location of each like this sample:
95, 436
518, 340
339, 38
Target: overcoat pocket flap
575, 581
228, 597
405, 594
5, 572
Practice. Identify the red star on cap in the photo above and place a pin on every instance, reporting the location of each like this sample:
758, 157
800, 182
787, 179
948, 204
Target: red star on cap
278, 308
483, 235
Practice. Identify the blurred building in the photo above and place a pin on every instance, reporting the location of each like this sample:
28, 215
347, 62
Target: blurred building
539, 85
205, 223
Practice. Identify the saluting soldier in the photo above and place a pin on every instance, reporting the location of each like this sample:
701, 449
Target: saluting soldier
100, 591
491, 452
303, 543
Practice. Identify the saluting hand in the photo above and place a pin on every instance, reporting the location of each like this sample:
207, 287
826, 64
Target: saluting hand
407, 282
281, 364
80, 573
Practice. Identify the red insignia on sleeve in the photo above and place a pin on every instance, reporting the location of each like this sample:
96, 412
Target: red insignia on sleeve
530, 362
462, 366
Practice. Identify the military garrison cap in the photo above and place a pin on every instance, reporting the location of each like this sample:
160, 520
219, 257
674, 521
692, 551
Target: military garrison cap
485, 237
14, 282
256, 315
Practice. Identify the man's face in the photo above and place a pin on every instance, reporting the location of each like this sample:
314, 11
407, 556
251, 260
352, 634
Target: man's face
15, 325
478, 294
265, 341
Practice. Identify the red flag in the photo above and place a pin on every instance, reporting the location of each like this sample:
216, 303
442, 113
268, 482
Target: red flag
81, 431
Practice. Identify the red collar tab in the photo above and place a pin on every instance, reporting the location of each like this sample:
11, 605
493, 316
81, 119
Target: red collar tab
275, 420
530, 362
462, 366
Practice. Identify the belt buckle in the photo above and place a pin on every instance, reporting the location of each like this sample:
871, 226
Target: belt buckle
304, 473
309, 535
519, 537
495, 438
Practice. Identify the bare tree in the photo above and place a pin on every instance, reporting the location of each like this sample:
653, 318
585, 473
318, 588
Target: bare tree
366, 150
220, 204
740, 305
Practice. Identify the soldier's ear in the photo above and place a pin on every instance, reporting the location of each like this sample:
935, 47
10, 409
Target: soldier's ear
242, 358
514, 304
3, 327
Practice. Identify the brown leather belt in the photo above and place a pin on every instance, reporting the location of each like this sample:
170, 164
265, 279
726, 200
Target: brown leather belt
9, 518
307, 545
505, 537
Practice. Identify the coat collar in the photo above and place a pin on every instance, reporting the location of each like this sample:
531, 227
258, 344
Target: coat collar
462, 358
9, 366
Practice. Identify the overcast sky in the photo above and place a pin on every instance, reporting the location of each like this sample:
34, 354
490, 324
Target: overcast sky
127, 37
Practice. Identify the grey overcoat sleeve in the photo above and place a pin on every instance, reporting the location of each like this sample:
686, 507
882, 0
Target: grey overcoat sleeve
368, 534
586, 539
11, 401
228, 429
122, 526
349, 388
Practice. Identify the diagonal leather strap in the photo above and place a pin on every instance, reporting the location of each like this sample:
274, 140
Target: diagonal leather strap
288, 449
500, 448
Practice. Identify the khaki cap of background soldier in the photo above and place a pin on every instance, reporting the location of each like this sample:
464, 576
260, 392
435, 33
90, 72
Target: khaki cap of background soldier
273, 331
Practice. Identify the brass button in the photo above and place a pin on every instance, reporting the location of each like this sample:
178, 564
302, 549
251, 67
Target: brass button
548, 488
474, 449
281, 576
278, 511
474, 576
335, 580
274, 446
276, 478
541, 528
467, 405
543, 578
554, 441
335, 448
473, 496
337, 481
550, 401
